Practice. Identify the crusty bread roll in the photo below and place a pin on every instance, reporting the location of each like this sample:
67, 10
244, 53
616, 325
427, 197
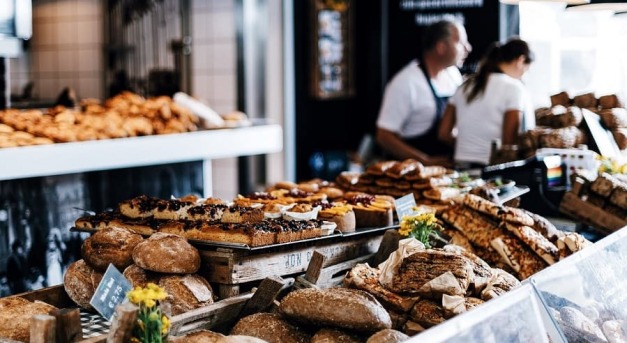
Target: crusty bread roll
240, 339
587, 100
139, 277
167, 253
186, 292
560, 99
110, 245
337, 307
270, 327
80, 282
388, 336
15, 315
200, 336
329, 335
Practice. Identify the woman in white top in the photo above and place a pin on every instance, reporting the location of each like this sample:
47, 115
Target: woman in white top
492, 104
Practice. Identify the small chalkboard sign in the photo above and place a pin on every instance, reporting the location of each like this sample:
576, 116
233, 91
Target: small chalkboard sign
110, 292
405, 205
602, 138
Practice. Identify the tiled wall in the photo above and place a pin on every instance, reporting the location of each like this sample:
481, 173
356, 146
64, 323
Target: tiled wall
214, 74
67, 50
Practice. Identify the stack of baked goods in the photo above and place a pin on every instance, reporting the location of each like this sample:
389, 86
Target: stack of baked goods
430, 286
314, 315
209, 220
510, 238
164, 259
124, 115
432, 185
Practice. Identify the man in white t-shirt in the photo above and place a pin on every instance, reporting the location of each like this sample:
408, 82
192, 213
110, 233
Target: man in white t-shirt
415, 98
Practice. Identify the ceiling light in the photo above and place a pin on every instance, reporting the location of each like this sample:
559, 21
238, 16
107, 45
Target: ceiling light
600, 5
568, 2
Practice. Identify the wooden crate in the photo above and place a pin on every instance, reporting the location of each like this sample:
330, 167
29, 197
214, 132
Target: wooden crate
229, 268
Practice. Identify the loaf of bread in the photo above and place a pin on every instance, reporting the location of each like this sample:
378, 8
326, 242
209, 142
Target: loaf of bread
587, 100
618, 196
427, 313
560, 99
111, 245
500, 283
604, 185
186, 292
614, 118
609, 101
80, 282
167, 253
240, 339
388, 336
329, 335
15, 317
270, 327
337, 307
139, 277
620, 136
200, 336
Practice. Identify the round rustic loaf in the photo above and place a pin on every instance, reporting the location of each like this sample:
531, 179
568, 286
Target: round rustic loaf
270, 327
167, 253
388, 336
200, 336
15, 317
80, 282
186, 292
328, 335
336, 307
139, 277
240, 339
110, 245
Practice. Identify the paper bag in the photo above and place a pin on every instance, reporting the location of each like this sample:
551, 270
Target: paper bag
389, 267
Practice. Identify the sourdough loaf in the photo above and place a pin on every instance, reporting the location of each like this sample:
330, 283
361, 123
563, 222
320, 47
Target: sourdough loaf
139, 277
15, 317
111, 245
186, 292
337, 307
167, 253
270, 327
328, 335
388, 336
80, 282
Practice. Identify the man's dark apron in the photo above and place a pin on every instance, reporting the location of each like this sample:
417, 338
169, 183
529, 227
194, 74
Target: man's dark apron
428, 142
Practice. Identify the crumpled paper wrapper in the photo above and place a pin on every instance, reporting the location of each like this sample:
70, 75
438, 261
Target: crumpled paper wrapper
444, 284
406, 247
453, 305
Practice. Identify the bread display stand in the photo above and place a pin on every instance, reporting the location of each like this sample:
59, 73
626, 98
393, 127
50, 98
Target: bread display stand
231, 266
321, 275
575, 206
87, 156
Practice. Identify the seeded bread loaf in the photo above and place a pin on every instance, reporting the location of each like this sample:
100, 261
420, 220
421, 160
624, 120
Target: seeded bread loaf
270, 327
80, 282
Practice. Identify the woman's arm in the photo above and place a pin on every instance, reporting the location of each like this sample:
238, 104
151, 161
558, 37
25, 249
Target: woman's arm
447, 124
511, 123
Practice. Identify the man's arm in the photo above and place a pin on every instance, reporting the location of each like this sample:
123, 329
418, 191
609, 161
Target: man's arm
393, 144
447, 125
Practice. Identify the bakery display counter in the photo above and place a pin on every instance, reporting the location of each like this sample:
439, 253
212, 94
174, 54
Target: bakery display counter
579, 299
77, 157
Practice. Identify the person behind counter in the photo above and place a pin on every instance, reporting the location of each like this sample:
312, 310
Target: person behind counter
415, 98
492, 104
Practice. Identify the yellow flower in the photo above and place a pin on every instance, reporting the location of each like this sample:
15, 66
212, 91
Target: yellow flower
149, 303
166, 325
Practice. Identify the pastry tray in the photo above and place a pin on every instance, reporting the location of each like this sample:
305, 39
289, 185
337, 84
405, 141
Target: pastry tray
240, 246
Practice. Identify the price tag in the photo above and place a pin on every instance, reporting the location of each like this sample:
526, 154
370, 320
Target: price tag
110, 292
404, 205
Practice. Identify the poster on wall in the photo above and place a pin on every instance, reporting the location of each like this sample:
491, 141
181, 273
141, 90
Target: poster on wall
37, 244
332, 65
480, 18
